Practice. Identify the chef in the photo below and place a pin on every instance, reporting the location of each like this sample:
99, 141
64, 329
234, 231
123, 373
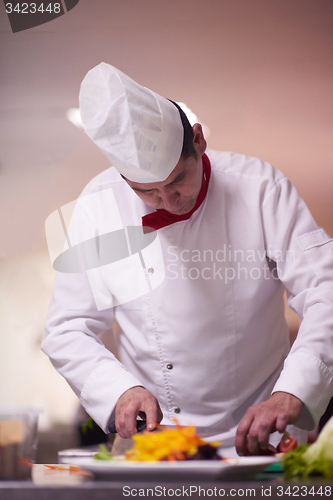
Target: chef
190, 250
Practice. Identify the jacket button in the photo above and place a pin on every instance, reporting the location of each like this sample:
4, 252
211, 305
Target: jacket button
150, 270
169, 366
177, 410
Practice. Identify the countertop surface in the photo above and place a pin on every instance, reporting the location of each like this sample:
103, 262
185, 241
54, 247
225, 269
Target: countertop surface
71, 484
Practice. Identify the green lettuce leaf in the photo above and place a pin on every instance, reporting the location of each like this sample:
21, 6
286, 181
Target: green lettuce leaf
312, 460
103, 453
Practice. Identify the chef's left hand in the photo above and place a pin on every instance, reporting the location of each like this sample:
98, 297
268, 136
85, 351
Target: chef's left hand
264, 418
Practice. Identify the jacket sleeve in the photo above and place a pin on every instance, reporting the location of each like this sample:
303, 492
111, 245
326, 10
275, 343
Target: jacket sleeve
303, 253
75, 350
74, 320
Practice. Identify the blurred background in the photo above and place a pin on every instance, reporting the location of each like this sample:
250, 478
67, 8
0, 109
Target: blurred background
257, 73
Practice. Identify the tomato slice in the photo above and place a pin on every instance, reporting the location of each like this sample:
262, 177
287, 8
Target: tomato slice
287, 443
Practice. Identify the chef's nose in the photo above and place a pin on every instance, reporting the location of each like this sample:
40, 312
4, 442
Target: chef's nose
169, 199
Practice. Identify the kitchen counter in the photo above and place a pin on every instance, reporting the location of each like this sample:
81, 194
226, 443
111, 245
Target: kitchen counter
53, 484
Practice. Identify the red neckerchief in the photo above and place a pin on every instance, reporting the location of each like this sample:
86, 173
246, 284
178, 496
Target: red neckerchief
161, 218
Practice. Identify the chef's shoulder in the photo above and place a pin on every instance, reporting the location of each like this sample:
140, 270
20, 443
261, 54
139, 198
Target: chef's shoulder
228, 164
108, 197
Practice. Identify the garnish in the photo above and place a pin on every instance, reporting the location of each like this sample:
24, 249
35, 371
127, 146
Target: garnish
313, 459
182, 443
103, 453
89, 424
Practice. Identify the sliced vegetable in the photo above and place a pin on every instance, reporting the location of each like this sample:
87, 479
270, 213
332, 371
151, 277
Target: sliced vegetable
182, 443
287, 443
71, 468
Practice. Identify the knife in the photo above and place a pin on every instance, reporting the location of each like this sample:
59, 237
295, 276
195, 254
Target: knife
140, 426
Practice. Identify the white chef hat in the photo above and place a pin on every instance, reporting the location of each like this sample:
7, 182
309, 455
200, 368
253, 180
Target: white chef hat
140, 132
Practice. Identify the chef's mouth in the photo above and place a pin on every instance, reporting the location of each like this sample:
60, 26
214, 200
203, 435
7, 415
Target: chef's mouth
184, 209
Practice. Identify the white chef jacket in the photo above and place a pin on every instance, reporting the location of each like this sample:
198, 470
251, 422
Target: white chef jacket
208, 337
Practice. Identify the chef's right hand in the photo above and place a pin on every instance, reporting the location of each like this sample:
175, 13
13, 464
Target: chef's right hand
136, 401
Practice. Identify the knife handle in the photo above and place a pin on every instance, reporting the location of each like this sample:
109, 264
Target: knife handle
140, 426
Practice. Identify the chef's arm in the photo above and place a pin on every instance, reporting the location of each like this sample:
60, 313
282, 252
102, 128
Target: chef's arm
72, 325
304, 264
264, 418
136, 401
303, 253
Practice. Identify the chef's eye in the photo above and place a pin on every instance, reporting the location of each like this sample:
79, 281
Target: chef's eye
178, 181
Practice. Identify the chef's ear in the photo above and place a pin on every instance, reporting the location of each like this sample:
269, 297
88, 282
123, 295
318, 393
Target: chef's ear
199, 141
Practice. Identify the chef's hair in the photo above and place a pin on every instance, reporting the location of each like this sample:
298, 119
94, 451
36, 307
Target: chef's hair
188, 148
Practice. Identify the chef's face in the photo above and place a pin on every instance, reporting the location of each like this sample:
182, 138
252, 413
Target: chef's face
179, 192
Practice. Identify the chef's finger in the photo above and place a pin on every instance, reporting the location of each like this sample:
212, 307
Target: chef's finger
252, 441
282, 422
265, 427
129, 427
127, 408
258, 437
153, 414
242, 433
126, 418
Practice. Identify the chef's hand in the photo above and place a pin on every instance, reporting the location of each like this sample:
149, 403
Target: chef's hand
260, 420
136, 401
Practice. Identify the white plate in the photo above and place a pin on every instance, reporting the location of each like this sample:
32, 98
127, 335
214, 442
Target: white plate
231, 468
